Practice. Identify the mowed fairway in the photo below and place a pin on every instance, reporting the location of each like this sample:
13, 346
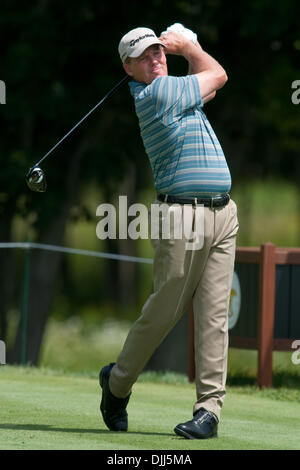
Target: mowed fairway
43, 409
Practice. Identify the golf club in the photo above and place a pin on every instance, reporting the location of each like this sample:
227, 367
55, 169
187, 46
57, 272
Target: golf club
35, 177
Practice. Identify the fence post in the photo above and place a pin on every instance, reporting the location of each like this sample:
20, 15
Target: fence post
266, 314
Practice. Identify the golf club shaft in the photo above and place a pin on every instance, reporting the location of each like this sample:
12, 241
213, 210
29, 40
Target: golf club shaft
125, 79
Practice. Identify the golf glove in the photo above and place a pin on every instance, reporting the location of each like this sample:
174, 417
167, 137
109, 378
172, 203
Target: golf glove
179, 28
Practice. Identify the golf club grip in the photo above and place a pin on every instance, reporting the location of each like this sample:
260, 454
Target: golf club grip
124, 80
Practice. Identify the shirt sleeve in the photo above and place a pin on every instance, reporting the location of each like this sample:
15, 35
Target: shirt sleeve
173, 97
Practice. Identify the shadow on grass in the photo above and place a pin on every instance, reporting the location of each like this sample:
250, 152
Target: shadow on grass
240, 380
280, 379
49, 427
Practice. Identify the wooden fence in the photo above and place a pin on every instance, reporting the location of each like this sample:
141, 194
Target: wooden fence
269, 318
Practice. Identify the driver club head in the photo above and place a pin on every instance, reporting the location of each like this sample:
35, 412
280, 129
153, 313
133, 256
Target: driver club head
36, 180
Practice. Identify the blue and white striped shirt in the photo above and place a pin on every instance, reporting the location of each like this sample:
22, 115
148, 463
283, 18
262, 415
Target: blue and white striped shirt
185, 155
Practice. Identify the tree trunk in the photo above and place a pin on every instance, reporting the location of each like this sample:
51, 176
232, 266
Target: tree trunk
7, 272
44, 265
127, 270
121, 275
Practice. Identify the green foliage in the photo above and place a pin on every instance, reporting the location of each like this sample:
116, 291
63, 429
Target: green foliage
59, 58
83, 344
272, 200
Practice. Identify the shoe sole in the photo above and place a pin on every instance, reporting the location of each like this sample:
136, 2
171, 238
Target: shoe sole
185, 434
102, 376
101, 402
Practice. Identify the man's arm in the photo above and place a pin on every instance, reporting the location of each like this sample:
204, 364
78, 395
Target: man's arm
211, 75
209, 97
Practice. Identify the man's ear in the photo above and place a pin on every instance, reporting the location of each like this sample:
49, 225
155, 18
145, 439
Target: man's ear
127, 69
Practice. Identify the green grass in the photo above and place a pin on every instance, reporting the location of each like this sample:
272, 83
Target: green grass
48, 409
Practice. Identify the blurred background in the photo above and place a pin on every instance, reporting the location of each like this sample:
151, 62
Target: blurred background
57, 60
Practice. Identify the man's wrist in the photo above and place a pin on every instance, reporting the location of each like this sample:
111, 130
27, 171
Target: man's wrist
192, 52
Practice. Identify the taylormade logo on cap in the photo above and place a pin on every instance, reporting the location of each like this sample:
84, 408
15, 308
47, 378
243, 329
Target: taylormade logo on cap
136, 41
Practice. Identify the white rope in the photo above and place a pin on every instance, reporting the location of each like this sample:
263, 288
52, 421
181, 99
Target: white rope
75, 251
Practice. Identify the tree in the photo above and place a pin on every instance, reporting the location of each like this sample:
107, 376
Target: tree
58, 59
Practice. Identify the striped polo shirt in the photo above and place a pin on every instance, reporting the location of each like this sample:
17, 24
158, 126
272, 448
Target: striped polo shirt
185, 155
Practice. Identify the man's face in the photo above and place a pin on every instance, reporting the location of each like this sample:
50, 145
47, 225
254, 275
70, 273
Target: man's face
152, 63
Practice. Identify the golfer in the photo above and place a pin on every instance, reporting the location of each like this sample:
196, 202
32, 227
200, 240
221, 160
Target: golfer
189, 167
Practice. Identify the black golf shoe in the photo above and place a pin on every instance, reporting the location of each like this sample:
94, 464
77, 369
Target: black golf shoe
204, 425
113, 409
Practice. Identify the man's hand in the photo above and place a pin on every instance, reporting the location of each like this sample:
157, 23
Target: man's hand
176, 43
211, 75
179, 28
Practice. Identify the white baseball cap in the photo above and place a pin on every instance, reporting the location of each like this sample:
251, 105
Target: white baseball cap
136, 41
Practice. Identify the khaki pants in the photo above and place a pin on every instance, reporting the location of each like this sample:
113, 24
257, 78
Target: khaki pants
204, 275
